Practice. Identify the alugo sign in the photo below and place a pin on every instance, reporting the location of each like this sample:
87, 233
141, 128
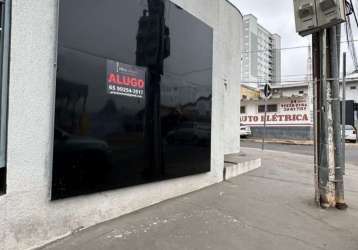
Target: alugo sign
126, 80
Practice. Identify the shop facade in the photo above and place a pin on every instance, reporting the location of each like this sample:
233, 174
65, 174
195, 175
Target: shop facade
92, 129
289, 112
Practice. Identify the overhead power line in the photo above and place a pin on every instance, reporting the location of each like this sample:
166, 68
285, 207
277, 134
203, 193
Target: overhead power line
292, 48
349, 32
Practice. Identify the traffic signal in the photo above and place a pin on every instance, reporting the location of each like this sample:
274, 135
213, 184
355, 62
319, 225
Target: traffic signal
267, 90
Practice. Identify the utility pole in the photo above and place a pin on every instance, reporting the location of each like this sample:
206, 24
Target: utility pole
344, 104
322, 19
340, 168
317, 108
327, 160
336, 112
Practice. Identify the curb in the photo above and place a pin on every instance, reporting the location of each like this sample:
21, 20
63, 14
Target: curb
285, 142
289, 142
232, 170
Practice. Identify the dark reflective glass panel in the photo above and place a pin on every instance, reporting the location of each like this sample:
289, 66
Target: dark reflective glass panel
2, 181
119, 123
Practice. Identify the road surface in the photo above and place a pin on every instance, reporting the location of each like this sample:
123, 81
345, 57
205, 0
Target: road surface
351, 149
271, 208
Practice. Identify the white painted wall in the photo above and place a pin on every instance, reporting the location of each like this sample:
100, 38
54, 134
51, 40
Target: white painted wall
351, 93
28, 218
289, 92
231, 46
285, 107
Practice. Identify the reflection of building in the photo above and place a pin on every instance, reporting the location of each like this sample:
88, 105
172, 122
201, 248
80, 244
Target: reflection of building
201, 108
261, 62
289, 112
177, 92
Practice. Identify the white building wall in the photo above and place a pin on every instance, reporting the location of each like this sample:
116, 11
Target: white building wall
28, 218
290, 112
352, 91
299, 91
231, 45
276, 62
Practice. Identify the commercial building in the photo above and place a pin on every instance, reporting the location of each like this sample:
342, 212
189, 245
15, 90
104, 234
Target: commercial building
290, 109
289, 112
352, 99
92, 127
261, 58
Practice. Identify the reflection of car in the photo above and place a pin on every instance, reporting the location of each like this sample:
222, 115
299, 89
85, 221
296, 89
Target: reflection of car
71, 143
79, 162
245, 131
351, 133
190, 132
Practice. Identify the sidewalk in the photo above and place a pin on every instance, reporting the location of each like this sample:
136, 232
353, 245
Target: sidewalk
269, 208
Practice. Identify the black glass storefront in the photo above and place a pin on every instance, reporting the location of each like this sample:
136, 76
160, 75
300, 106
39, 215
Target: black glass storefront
118, 124
2, 181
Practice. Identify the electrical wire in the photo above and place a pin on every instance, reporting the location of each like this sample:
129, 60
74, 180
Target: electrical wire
349, 33
350, 47
287, 82
353, 12
294, 47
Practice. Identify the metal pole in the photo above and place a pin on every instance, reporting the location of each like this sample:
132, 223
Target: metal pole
326, 168
336, 118
340, 170
317, 106
315, 135
344, 105
263, 138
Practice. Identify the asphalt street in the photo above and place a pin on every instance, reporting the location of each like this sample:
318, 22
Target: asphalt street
351, 149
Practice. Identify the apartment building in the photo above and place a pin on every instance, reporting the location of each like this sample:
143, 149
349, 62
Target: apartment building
261, 57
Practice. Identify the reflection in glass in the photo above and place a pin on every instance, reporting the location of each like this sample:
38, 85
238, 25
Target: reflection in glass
106, 136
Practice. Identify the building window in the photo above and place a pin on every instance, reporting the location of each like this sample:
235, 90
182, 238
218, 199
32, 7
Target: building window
4, 68
301, 92
353, 87
243, 110
270, 108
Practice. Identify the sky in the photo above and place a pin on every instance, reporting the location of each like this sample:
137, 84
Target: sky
277, 16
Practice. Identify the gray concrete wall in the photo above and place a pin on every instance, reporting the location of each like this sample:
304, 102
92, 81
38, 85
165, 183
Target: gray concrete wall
28, 218
282, 132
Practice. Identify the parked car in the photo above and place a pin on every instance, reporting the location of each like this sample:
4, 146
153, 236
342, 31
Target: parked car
351, 134
245, 131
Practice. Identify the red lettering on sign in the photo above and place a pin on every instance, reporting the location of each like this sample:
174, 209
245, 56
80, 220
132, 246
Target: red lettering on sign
141, 84
112, 79
125, 80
